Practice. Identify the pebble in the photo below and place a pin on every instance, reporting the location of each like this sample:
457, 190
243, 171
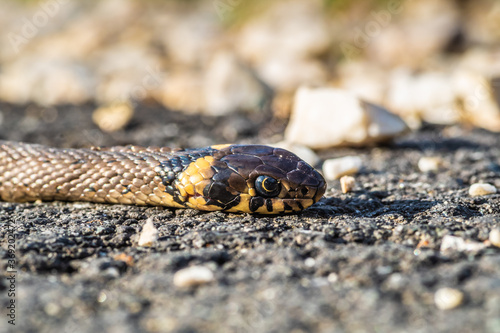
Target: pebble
149, 234
337, 167
448, 298
480, 189
494, 237
426, 164
193, 276
328, 117
347, 183
113, 117
453, 243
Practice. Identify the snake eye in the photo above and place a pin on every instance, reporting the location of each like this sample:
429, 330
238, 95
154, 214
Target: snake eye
267, 186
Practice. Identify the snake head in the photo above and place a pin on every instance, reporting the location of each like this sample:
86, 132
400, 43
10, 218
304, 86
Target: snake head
255, 179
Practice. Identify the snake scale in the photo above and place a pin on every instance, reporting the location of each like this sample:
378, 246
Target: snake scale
232, 178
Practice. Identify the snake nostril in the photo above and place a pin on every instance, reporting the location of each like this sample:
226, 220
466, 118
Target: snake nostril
304, 191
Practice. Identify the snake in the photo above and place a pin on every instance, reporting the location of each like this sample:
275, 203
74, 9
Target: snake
256, 179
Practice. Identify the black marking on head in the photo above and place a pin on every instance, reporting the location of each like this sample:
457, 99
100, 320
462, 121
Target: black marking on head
256, 203
233, 203
269, 205
286, 206
218, 193
254, 150
222, 176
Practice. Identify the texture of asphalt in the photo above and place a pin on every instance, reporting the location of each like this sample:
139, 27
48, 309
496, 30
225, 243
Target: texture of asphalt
366, 261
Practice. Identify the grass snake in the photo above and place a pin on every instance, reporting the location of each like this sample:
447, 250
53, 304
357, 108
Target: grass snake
232, 178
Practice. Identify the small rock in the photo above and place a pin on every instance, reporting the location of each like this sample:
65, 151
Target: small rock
113, 117
448, 298
344, 166
347, 183
149, 234
494, 237
454, 243
193, 276
481, 189
301, 151
426, 164
328, 117
333, 277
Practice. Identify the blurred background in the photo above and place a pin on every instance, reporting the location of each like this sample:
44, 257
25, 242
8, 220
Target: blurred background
427, 61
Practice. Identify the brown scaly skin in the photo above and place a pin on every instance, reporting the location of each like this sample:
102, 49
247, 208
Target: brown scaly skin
231, 178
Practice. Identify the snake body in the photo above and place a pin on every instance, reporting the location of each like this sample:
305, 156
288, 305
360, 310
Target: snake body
231, 178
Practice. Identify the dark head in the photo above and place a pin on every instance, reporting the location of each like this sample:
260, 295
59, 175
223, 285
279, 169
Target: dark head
256, 179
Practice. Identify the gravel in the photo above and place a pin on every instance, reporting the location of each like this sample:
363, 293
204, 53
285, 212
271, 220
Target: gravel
364, 261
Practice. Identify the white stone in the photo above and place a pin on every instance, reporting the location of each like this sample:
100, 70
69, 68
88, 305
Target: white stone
149, 234
305, 153
481, 189
453, 243
347, 183
193, 276
448, 298
337, 167
329, 117
494, 237
430, 163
